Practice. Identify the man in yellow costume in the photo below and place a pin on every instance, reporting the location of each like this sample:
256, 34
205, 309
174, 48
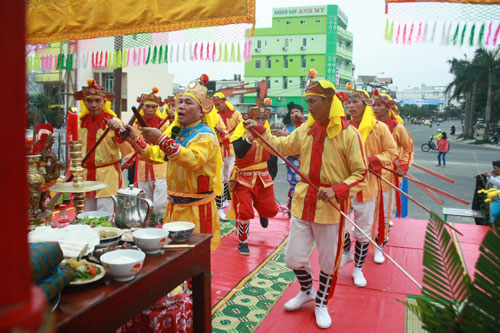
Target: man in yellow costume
104, 163
194, 160
231, 119
381, 151
332, 158
383, 107
151, 177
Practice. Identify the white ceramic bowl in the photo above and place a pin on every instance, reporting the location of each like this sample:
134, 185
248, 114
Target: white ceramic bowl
95, 213
179, 231
150, 240
123, 265
104, 242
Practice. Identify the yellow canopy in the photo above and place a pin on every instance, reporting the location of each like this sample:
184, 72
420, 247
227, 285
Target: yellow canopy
55, 20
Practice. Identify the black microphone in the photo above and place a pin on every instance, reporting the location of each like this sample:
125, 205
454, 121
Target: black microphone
176, 130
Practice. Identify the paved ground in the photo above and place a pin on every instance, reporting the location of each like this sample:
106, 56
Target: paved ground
462, 162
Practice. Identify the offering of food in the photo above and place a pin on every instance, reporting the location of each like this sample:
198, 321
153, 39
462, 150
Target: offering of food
99, 253
95, 221
103, 234
85, 272
108, 235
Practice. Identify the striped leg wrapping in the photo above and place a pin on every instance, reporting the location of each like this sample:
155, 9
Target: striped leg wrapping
218, 201
347, 242
243, 229
325, 282
226, 192
360, 253
305, 279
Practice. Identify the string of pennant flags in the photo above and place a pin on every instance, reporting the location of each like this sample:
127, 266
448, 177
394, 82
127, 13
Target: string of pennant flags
42, 60
471, 34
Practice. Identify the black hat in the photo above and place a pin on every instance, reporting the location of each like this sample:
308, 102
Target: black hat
292, 105
496, 163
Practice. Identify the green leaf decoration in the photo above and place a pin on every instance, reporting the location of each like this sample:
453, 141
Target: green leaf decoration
481, 34
455, 35
149, 55
463, 35
165, 59
481, 313
471, 37
160, 55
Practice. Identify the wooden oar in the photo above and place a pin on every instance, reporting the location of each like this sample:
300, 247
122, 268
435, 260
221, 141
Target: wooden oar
306, 180
435, 174
411, 199
434, 189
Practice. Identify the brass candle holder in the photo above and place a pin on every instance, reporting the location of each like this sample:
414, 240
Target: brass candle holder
78, 186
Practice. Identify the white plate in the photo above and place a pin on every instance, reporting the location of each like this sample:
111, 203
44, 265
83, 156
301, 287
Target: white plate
96, 278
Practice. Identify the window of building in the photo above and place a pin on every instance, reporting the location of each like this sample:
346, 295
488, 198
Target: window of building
265, 43
286, 42
259, 44
302, 21
304, 41
268, 61
268, 80
285, 61
108, 81
318, 21
302, 81
303, 61
258, 64
288, 22
285, 82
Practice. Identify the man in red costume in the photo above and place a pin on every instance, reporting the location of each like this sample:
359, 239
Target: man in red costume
253, 183
332, 157
231, 119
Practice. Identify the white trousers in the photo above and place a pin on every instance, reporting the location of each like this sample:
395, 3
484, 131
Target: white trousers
227, 168
102, 204
156, 191
364, 213
302, 236
389, 201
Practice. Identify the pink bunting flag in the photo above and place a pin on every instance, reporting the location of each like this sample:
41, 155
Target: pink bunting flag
397, 34
496, 35
208, 52
213, 52
419, 34
404, 34
195, 56
410, 35
489, 35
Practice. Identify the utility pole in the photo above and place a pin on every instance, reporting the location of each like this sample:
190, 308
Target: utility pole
117, 79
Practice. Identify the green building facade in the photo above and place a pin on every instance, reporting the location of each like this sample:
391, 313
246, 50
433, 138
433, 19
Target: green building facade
300, 38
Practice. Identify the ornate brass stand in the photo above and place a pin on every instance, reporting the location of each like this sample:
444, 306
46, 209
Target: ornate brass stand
78, 186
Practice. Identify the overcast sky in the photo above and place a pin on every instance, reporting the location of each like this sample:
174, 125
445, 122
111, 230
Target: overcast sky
408, 65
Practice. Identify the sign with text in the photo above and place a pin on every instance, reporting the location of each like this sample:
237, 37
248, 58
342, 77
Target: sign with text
300, 11
421, 101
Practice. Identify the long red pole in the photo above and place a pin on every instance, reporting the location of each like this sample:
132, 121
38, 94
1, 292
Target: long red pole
411, 199
433, 188
435, 174
431, 194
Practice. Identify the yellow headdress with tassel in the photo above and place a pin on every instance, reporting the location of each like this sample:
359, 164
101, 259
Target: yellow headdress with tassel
94, 89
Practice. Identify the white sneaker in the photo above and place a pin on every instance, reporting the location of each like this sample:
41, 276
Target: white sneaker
347, 257
359, 279
221, 213
301, 298
391, 224
378, 257
323, 319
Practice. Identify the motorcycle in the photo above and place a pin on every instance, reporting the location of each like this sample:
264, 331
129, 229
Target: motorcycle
429, 145
452, 130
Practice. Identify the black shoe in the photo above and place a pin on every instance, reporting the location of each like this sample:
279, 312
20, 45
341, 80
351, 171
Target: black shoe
264, 221
243, 248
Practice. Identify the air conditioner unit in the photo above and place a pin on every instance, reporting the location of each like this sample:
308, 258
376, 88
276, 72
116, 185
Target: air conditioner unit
285, 48
278, 98
257, 49
303, 48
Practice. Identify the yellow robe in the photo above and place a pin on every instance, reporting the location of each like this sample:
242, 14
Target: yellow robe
104, 162
197, 160
379, 143
341, 160
148, 171
404, 143
231, 120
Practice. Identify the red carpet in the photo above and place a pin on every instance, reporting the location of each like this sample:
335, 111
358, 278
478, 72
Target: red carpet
373, 308
229, 267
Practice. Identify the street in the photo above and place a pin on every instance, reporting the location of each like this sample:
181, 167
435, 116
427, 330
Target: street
463, 161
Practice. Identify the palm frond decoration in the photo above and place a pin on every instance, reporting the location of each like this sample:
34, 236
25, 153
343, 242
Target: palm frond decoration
452, 302
481, 312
